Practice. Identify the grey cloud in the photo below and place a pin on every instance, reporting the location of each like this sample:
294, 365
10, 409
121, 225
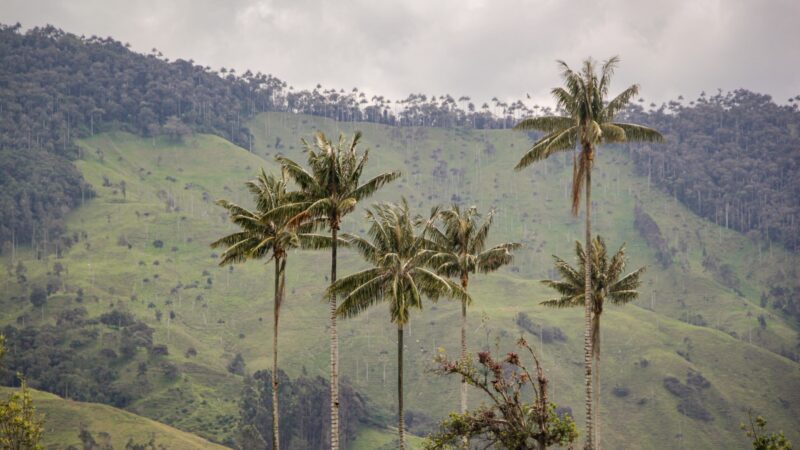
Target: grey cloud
503, 48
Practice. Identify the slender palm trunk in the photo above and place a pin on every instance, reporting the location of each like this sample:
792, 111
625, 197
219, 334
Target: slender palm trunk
401, 425
464, 283
596, 375
280, 284
587, 335
597, 402
334, 350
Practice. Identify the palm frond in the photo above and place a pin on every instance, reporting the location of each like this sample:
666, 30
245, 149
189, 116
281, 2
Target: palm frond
496, 257
639, 133
557, 141
295, 171
612, 133
361, 290
564, 302
619, 102
546, 124
565, 100
606, 73
371, 186
565, 288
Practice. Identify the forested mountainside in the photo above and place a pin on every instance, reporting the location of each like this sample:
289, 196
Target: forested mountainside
732, 157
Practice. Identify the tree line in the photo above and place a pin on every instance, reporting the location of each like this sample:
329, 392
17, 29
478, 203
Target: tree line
56, 87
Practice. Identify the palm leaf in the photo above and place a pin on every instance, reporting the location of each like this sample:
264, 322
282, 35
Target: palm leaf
639, 133
554, 142
546, 124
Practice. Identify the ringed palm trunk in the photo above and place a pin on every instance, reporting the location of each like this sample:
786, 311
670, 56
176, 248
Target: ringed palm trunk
401, 425
587, 335
596, 374
280, 284
464, 283
334, 348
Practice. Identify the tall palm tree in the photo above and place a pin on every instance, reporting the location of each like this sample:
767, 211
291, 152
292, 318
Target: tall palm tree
589, 122
460, 251
400, 275
332, 187
267, 233
608, 283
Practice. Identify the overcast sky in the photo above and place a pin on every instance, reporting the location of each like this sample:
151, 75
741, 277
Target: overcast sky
462, 47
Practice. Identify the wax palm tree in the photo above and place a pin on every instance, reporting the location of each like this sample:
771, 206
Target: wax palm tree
332, 187
267, 233
400, 275
460, 251
589, 122
608, 284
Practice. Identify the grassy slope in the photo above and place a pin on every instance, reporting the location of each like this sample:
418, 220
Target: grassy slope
63, 419
233, 314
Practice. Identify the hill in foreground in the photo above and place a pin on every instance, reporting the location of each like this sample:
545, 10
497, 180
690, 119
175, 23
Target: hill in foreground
64, 418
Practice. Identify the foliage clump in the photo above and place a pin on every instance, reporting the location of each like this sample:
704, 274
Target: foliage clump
508, 420
755, 429
20, 427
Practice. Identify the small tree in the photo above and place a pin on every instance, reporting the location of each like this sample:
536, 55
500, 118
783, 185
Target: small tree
507, 421
755, 429
20, 426
236, 366
175, 129
38, 296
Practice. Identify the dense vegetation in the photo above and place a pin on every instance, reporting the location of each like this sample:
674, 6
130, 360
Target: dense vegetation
66, 359
305, 418
56, 87
733, 158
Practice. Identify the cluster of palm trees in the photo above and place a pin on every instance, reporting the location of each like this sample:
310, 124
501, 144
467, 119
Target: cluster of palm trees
410, 256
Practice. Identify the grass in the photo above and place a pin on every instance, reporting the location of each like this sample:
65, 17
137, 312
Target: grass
63, 418
232, 313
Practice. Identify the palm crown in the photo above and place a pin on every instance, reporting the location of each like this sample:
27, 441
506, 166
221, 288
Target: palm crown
266, 232
400, 272
460, 245
332, 184
608, 283
589, 120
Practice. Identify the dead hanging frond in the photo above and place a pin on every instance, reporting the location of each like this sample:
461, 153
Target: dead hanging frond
579, 170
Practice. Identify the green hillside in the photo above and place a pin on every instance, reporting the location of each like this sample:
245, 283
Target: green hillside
692, 317
63, 419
